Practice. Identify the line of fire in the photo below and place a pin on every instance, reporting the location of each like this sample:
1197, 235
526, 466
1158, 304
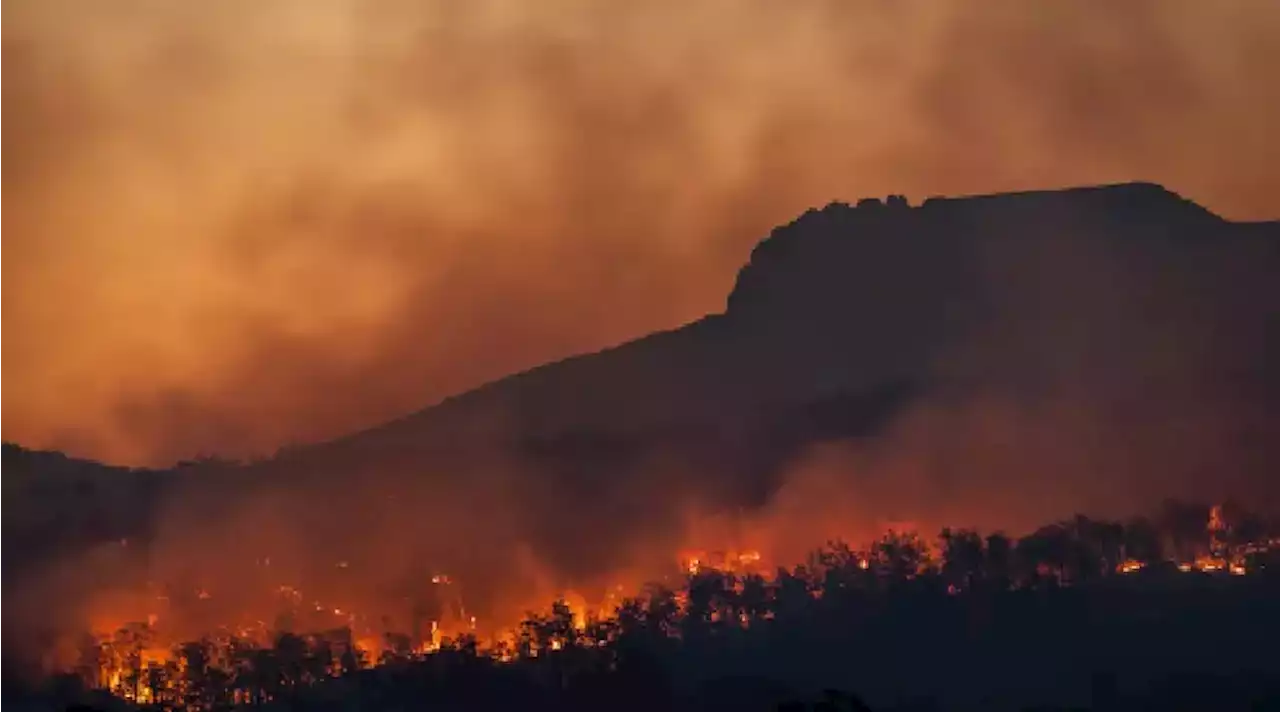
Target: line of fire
250, 660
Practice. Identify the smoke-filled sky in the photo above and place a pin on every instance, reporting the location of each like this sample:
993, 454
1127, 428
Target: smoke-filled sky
239, 224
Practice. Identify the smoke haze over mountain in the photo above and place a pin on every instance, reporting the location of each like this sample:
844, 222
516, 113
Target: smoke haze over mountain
236, 225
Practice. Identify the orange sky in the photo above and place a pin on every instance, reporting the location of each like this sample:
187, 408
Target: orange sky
238, 224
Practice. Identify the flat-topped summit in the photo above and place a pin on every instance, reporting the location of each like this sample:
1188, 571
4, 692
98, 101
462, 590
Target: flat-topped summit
850, 298
1149, 200
849, 235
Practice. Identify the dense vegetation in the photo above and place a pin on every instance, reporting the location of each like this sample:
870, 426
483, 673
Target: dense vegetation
1082, 612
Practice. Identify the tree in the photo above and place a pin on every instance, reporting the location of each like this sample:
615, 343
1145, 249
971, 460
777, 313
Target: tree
126, 648
792, 593
203, 685
1242, 527
255, 673
899, 557
291, 660
999, 560
755, 602
1042, 555
963, 557
843, 570
1185, 527
1142, 541
1087, 542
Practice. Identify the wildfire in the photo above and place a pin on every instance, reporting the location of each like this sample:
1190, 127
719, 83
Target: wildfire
1129, 566
749, 561
140, 661
1210, 564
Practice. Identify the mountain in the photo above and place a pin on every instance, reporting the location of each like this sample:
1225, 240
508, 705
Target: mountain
54, 504
1125, 300
853, 301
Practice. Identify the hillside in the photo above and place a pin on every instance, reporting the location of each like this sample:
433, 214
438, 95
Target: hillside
54, 503
870, 298
1125, 302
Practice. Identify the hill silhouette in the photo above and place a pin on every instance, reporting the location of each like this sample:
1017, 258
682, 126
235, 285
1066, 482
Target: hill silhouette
57, 504
1127, 336
1052, 350
843, 316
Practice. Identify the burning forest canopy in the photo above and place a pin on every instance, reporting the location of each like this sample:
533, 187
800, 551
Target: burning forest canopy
995, 361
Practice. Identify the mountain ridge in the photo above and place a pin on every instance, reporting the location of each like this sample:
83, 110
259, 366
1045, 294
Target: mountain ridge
1148, 202
850, 324
1152, 205
1126, 304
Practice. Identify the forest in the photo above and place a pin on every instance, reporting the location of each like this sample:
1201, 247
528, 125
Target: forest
1179, 610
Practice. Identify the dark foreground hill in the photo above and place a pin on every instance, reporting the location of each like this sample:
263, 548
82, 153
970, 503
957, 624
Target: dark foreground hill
1137, 332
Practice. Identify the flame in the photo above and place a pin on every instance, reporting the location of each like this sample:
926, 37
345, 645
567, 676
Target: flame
120, 669
1210, 564
744, 561
1129, 566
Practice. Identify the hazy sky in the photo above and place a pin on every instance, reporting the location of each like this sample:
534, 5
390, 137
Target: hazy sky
237, 224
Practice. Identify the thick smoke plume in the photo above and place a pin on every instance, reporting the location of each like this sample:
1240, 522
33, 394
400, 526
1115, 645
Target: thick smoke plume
238, 225
235, 225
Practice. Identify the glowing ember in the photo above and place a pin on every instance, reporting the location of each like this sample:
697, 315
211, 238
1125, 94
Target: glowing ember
134, 661
1129, 566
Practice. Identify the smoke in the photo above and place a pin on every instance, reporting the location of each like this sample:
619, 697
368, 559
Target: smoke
235, 225
238, 225
1071, 369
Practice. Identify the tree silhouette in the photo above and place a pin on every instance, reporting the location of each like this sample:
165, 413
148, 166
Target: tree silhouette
1042, 556
999, 561
984, 605
964, 558
1142, 541
1185, 526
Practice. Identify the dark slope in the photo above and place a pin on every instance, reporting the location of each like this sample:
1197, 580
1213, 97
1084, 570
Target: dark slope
873, 300
1126, 298
76, 501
